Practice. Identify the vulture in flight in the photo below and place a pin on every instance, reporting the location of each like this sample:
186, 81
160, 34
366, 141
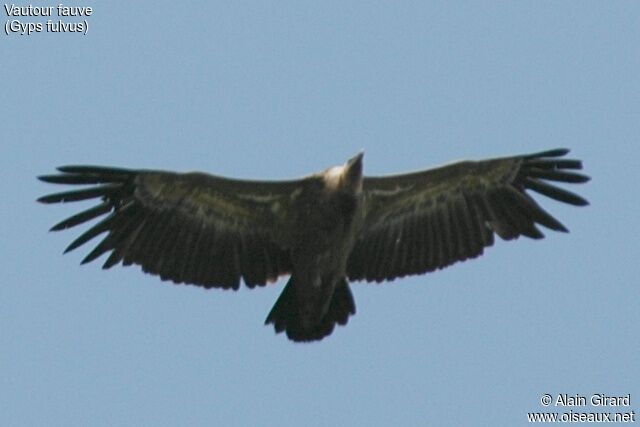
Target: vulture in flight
323, 230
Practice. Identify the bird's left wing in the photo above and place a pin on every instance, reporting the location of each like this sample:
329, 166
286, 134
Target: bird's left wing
189, 228
423, 221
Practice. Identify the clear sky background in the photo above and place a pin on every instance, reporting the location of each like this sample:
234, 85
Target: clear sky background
283, 89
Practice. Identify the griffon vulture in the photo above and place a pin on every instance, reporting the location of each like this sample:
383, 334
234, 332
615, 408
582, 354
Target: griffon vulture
322, 230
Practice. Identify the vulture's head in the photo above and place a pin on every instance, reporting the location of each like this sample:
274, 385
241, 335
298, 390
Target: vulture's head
347, 176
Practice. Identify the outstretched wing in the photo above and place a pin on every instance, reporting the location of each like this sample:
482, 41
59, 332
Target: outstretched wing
427, 220
189, 228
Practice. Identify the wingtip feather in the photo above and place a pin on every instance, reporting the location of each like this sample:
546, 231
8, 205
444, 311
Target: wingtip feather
92, 169
44, 199
47, 178
556, 152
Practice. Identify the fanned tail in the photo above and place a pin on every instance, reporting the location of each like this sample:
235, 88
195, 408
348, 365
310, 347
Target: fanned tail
285, 314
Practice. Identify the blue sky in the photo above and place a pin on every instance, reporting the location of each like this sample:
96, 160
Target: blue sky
283, 89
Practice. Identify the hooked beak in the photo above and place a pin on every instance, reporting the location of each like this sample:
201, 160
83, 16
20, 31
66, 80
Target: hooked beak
353, 170
355, 162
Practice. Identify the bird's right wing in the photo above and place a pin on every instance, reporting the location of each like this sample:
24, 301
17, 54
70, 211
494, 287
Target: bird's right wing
190, 228
422, 221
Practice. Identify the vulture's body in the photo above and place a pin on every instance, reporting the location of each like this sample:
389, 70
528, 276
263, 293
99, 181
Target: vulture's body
322, 230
